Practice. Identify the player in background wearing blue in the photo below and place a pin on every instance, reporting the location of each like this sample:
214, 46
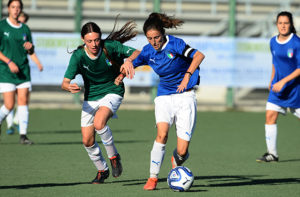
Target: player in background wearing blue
285, 81
177, 65
12, 119
98, 61
15, 44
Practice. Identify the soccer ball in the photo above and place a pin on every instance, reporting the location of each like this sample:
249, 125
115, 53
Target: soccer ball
180, 179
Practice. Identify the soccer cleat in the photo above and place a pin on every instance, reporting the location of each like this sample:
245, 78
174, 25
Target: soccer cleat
25, 140
101, 176
151, 184
174, 164
10, 131
116, 165
267, 157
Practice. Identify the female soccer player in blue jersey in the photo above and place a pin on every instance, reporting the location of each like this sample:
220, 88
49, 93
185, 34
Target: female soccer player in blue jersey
285, 81
15, 44
97, 61
177, 65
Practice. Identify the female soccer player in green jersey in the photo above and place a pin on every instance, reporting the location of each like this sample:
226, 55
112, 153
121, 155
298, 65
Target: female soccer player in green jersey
97, 61
15, 44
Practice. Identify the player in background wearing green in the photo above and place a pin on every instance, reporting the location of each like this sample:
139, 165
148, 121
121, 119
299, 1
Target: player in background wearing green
98, 61
15, 44
285, 81
12, 119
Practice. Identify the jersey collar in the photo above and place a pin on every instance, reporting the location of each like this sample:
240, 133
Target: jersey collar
166, 43
286, 41
12, 25
92, 58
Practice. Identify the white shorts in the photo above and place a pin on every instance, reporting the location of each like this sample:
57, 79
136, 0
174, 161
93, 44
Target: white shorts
10, 87
89, 108
282, 110
180, 109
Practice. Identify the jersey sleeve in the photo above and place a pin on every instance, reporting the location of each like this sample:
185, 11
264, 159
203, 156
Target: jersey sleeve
28, 33
184, 49
140, 60
73, 67
123, 50
298, 53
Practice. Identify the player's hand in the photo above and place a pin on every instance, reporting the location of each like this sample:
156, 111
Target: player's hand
119, 79
13, 67
74, 88
127, 69
183, 84
27, 45
41, 68
277, 87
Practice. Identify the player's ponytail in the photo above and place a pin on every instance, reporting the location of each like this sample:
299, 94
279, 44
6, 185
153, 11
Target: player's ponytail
160, 21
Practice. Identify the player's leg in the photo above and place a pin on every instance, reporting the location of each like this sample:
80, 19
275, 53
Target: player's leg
9, 121
95, 154
185, 121
272, 112
23, 112
108, 107
8, 94
164, 118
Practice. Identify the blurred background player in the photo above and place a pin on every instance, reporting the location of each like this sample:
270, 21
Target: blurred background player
98, 62
177, 65
12, 119
15, 44
285, 81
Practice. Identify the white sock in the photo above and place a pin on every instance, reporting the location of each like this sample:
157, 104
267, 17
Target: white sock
9, 119
95, 155
3, 113
157, 157
23, 114
271, 138
16, 118
108, 141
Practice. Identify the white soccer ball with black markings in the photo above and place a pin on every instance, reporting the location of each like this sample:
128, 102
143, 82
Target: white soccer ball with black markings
180, 179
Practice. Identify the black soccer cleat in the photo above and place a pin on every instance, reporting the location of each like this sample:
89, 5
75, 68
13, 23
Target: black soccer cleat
267, 157
101, 176
24, 140
116, 165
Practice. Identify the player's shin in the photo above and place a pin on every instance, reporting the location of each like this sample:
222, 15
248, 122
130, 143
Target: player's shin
95, 155
157, 157
108, 141
23, 114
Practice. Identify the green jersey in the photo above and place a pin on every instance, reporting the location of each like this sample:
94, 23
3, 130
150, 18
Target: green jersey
12, 39
98, 73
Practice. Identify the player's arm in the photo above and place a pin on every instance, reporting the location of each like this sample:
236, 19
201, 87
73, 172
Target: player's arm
36, 60
127, 69
12, 66
279, 85
66, 85
197, 60
272, 76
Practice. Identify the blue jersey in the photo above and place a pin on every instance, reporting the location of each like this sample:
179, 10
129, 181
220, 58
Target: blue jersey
170, 63
286, 59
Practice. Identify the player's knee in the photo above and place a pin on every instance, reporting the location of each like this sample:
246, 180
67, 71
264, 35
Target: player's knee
88, 142
99, 125
162, 139
271, 118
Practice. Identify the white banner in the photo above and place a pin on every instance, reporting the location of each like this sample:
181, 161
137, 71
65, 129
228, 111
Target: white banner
240, 62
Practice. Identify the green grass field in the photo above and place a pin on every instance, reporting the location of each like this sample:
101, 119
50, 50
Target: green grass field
222, 157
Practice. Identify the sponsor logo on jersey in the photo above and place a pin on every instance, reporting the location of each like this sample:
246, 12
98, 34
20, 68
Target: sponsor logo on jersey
152, 60
6, 34
128, 50
108, 62
290, 53
170, 55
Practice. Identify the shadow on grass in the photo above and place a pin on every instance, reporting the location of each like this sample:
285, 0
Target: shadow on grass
290, 160
72, 132
28, 186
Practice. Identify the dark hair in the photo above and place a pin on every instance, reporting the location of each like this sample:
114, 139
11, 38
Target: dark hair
290, 16
20, 1
159, 22
26, 16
